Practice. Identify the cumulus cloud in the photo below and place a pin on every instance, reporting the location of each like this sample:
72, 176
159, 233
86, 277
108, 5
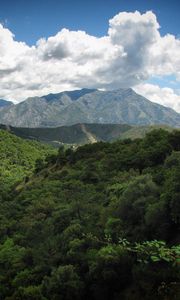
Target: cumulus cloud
165, 96
132, 51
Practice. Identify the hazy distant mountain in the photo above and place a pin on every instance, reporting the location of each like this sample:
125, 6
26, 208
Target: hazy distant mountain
5, 103
80, 134
122, 106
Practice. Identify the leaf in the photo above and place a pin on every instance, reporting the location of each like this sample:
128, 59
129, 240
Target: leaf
155, 258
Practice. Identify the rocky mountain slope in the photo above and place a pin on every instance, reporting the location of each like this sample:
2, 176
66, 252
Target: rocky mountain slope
122, 106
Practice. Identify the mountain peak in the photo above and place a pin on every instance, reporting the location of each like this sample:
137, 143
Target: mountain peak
74, 95
88, 106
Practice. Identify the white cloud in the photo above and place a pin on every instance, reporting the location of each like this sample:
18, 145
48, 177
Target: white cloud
131, 52
164, 96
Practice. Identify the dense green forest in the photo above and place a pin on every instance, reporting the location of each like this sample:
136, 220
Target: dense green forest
99, 222
18, 158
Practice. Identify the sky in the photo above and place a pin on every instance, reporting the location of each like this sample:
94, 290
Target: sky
50, 46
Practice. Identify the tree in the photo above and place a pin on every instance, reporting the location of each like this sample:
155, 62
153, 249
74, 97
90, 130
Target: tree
63, 284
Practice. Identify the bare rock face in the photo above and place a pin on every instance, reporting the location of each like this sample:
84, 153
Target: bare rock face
122, 106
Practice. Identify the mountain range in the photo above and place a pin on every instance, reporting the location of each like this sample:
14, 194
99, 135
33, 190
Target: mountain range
122, 106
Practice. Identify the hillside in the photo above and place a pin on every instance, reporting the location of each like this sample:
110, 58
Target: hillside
122, 106
76, 134
80, 134
100, 222
18, 157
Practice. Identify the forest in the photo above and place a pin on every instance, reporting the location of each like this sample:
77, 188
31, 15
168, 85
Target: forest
97, 222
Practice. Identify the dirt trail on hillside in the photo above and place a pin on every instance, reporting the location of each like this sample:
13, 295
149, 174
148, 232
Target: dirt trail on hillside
89, 135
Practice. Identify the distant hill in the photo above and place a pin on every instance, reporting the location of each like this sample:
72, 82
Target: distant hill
5, 103
122, 106
80, 134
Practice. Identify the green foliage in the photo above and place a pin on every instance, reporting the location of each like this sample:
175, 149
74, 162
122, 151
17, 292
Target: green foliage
18, 158
64, 283
28, 293
99, 222
10, 254
156, 251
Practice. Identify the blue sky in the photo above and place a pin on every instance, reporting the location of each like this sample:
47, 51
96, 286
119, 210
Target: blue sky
31, 20
106, 45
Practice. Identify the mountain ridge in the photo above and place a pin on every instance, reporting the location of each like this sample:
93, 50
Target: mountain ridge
5, 103
82, 133
88, 106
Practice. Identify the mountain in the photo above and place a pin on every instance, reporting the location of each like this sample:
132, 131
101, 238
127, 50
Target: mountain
122, 106
5, 103
80, 134
74, 95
